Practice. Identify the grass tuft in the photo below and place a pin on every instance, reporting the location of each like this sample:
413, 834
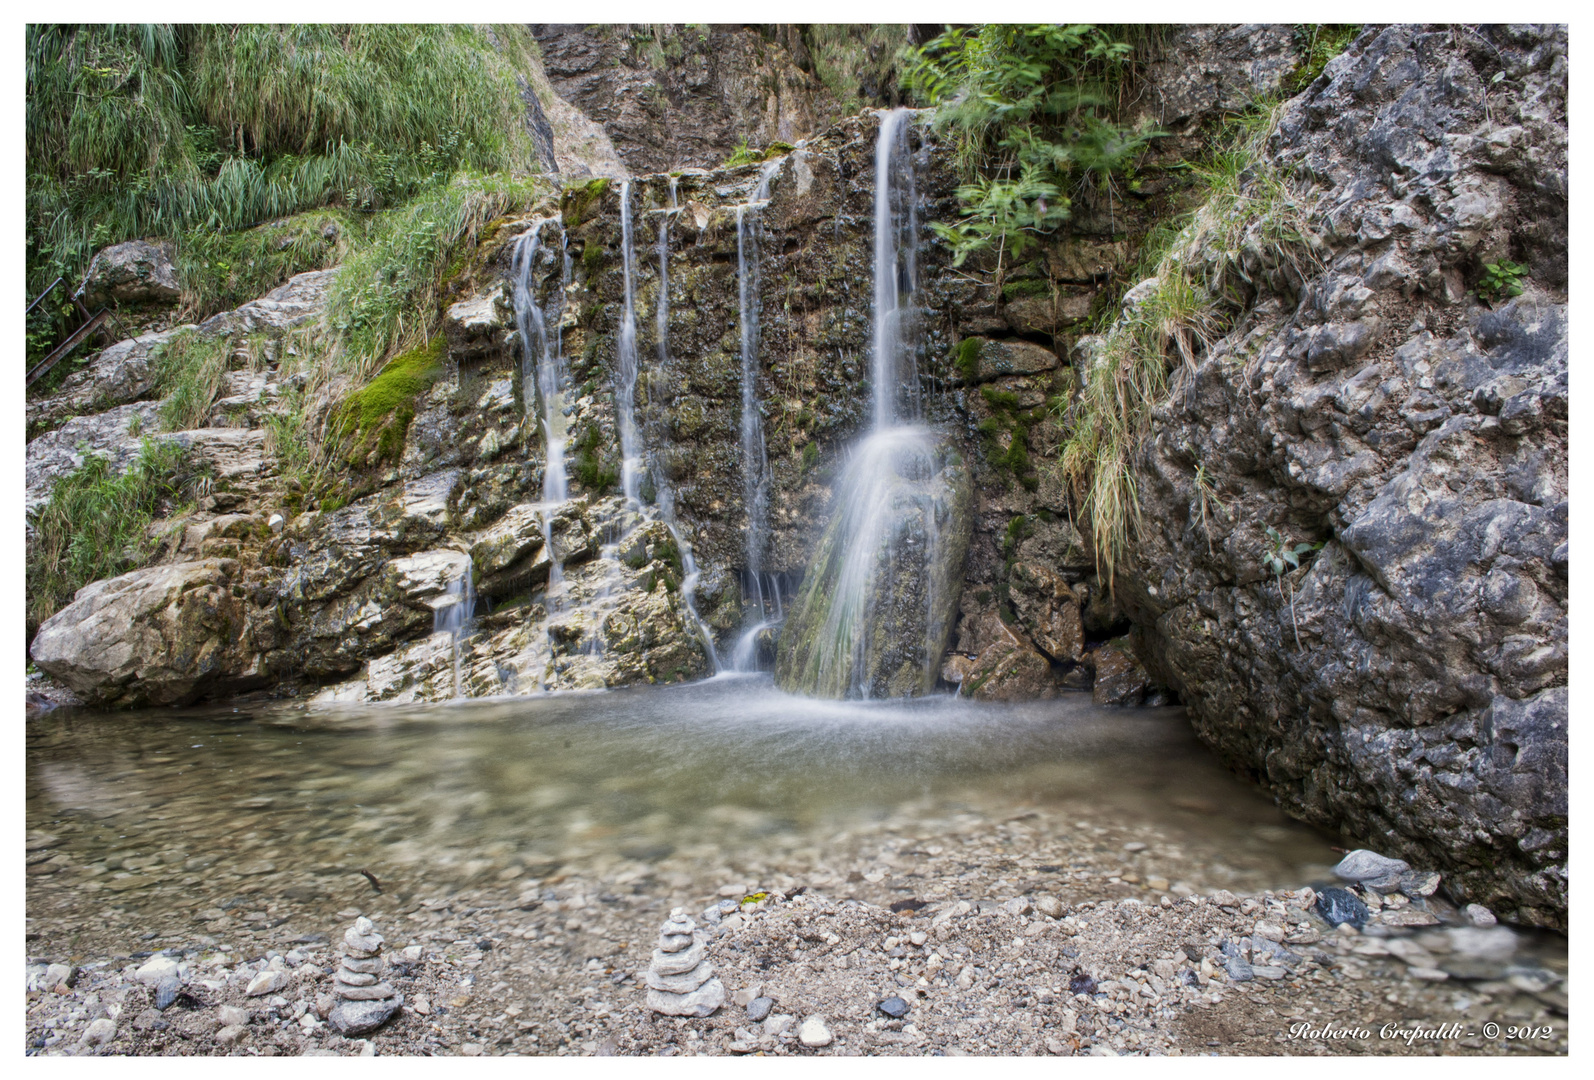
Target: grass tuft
96, 524
1253, 228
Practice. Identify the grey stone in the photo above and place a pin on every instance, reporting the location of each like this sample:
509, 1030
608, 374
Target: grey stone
267, 982
374, 992
99, 1032
667, 963
759, 1007
894, 1007
1419, 883
132, 272
1337, 906
683, 983
354, 978
700, 1002
1238, 969
354, 1018
232, 1016
166, 992
1364, 865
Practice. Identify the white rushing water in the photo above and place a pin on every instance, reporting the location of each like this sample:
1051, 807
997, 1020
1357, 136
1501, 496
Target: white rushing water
895, 269
889, 479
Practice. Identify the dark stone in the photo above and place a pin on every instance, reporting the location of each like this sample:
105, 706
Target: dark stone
894, 1007
909, 905
166, 992
759, 1008
1082, 984
1338, 906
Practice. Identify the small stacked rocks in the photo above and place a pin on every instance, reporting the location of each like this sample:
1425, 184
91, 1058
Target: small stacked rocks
366, 1002
680, 979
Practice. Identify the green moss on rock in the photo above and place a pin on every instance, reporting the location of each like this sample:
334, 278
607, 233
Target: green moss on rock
374, 421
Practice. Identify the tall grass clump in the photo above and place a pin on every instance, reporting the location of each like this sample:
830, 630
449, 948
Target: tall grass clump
96, 524
1030, 111
385, 299
151, 130
1253, 229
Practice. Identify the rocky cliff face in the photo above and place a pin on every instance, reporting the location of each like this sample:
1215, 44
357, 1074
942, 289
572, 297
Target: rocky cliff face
674, 97
1408, 684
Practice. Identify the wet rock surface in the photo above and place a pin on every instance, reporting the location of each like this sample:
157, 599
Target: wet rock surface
1419, 433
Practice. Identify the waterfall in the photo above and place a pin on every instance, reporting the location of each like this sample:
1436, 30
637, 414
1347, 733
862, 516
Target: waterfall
626, 368
877, 602
454, 616
664, 494
895, 269
755, 453
542, 356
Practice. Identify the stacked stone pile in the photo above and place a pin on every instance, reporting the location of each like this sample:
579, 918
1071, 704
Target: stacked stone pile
680, 979
365, 1001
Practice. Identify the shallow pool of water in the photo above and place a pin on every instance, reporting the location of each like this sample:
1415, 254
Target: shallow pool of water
274, 811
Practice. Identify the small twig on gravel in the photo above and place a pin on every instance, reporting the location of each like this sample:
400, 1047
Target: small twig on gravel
372, 879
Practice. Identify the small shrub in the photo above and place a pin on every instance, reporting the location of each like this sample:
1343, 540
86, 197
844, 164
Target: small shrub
1500, 279
189, 370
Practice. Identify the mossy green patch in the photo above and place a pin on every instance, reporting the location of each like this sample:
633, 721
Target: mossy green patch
580, 203
966, 358
374, 421
589, 468
1013, 290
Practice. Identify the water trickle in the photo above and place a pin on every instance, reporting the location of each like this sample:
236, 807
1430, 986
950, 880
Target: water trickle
453, 617
544, 380
626, 368
754, 450
896, 230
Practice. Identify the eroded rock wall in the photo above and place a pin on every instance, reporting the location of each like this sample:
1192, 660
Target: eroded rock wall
1408, 684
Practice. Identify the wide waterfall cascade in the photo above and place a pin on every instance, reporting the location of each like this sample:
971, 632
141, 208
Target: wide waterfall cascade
454, 615
878, 601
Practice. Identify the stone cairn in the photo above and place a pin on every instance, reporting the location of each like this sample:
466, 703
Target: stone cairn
365, 1001
680, 979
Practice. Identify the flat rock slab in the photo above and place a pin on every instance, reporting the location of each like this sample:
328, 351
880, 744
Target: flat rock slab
353, 1018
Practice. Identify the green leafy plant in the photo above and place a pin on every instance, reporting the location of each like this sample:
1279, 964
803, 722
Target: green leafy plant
172, 131
1315, 45
1029, 110
1277, 554
1500, 279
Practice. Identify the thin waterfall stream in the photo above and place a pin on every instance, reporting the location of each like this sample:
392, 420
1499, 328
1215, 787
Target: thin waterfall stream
754, 450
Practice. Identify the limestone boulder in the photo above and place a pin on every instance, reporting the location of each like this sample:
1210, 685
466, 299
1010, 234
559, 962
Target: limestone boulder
115, 434
299, 301
134, 272
164, 635
1407, 684
119, 374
